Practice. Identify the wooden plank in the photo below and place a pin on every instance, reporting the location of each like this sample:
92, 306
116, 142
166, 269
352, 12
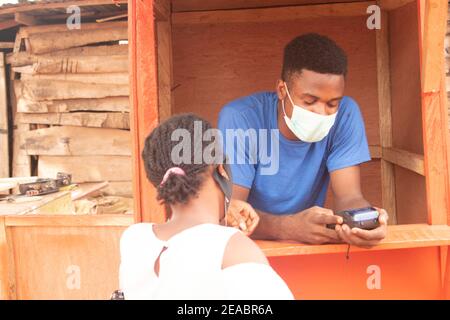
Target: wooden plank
398, 237
26, 19
25, 32
144, 97
38, 90
385, 113
435, 26
393, 4
87, 168
4, 263
272, 14
6, 24
104, 50
405, 159
118, 104
165, 72
78, 141
112, 220
111, 18
11, 183
436, 157
54, 203
162, 10
17, 58
375, 152
4, 130
112, 78
201, 5
119, 189
6, 45
21, 160
434, 110
57, 5
76, 64
52, 41
113, 120
87, 189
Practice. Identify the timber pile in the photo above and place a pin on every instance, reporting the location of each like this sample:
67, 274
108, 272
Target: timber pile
71, 103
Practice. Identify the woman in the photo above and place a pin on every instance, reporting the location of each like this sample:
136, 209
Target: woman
192, 256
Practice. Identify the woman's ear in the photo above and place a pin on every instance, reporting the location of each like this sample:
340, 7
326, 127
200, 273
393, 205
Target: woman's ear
222, 171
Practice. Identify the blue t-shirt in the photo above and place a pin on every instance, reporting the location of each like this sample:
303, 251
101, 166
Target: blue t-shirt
286, 176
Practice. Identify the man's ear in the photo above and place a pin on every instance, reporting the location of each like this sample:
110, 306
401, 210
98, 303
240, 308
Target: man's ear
281, 89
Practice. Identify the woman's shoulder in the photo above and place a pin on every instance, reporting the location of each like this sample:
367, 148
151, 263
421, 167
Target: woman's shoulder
242, 249
135, 233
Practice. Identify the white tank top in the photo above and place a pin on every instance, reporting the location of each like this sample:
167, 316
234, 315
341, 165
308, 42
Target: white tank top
191, 267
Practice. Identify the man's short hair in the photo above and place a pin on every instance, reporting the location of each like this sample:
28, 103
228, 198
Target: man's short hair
313, 52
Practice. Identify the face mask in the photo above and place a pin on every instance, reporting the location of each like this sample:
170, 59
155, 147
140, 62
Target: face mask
306, 125
226, 185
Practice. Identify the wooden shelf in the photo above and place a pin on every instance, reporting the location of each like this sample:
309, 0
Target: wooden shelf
399, 237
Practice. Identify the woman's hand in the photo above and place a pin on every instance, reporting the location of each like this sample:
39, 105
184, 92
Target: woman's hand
242, 216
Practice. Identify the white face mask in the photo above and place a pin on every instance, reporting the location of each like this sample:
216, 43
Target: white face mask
306, 125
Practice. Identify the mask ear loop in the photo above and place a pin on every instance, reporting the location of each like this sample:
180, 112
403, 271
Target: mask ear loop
289, 95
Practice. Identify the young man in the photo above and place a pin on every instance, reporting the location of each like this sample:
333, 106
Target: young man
321, 141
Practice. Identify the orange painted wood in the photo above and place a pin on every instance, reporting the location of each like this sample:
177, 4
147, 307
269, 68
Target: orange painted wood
4, 268
412, 273
399, 237
435, 130
144, 101
435, 26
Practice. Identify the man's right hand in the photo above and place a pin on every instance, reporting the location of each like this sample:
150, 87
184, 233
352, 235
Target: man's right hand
310, 226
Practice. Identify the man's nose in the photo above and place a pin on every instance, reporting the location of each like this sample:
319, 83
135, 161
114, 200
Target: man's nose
319, 108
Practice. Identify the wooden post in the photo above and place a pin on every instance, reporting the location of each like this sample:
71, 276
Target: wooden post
4, 146
433, 17
385, 111
7, 290
144, 113
165, 73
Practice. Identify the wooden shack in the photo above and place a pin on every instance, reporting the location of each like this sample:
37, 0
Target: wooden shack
196, 56
396, 74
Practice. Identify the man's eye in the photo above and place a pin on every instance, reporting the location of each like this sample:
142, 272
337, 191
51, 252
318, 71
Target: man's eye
333, 105
308, 103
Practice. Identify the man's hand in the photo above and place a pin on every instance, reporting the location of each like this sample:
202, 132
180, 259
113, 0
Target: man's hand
311, 226
241, 215
364, 238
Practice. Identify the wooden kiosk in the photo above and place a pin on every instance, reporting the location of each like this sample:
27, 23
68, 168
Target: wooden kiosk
212, 52
190, 55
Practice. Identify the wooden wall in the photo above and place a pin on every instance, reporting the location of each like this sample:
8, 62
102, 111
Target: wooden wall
407, 128
60, 257
216, 63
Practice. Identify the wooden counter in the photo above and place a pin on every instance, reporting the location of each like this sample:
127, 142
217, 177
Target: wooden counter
77, 257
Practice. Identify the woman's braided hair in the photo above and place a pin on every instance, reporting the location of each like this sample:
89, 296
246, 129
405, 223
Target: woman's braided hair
157, 156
